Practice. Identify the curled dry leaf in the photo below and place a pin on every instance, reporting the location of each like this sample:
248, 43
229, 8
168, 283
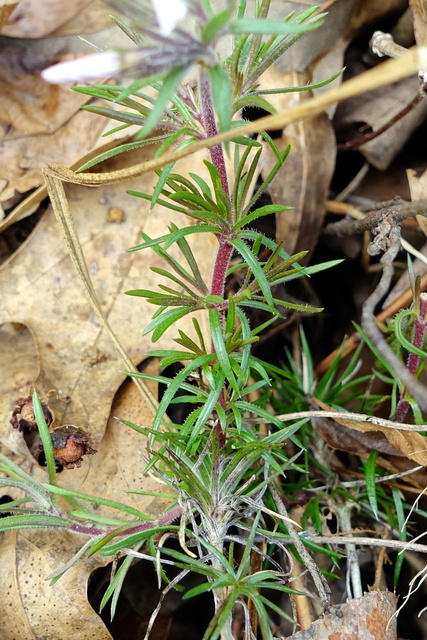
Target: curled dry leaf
345, 439
23, 415
376, 109
410, 444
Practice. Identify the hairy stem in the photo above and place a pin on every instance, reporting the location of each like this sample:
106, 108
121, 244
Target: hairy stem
162, 520
211, 129
223, 256
413, 361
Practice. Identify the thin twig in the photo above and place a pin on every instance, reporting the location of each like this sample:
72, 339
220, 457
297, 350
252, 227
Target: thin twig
378, 480
386, 73
62, 212
396, 212
367, 542
318, 579
382, 44
389, 238
354, 581
341, 415
361, 140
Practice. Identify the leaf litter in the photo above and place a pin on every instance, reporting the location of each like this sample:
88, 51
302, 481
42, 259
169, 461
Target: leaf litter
58, 343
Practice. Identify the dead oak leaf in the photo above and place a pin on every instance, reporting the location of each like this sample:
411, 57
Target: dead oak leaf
410, 444
41, 290
30, 606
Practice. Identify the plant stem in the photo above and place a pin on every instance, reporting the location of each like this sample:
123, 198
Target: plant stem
413, 361
225, 250
354, 582
414, 387
223, 256
88, 531
211, 129
165, 518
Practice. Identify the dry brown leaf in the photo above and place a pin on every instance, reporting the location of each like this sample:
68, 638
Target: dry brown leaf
396, 464
419, 12
304, 179
93, 17
345, 439
377, 108
30, 105
369, 617
366, 13
6, 8
29, 204
62, 610
20, 358
31, 19
40, 122
410, 443
22, 159
40, 290
30, 607
55, 342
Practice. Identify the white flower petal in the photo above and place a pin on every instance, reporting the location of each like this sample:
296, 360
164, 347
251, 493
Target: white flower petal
92, 67
169, 13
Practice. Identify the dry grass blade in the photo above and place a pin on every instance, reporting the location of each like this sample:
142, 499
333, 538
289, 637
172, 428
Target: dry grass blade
346, 418
60, 206
386, 73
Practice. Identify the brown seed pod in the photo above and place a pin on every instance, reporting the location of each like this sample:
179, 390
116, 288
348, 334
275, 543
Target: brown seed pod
23, 415
70, 444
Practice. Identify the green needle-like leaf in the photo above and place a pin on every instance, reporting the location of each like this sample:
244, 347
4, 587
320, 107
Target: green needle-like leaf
45, 438
370, 477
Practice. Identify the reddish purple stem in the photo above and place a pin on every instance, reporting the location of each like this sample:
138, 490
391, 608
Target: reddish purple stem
211, 129
225, 249
163, 520
413, 361
223, 256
